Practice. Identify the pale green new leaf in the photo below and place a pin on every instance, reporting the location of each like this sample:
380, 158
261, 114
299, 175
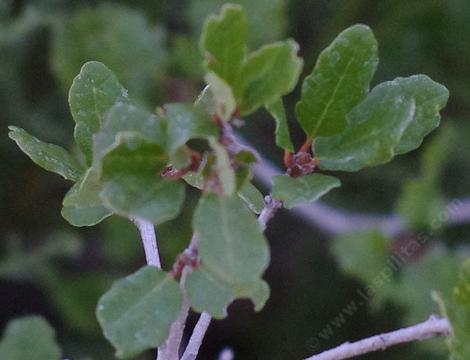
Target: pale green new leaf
429, 97
94, 91
224, 168
48, 156
267, 74
374, 129
222, 100
277, 111
339, 81
304, 189
132, 184
138, 310
233, 257
29, 338
187, 122
223, 42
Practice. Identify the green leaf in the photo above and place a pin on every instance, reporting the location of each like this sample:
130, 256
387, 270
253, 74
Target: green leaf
48, 156
436, 153
187, 122
457, 309
82, 205
233, 257
94, 91
28, 338
116, 35
437, 271
224, 168
374, 129
304, 189
137, 312
339, 81
429, 97
252, 197
75, 297
267, 74
273, 11
132, 185
128, 118
277, 111
363, 255
223, 42
420, 204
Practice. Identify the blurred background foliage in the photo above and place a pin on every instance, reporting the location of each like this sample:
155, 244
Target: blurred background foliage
48, 267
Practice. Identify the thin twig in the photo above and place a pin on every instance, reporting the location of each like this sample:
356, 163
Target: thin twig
170, 349
197, 336
431, 328
270, 208
149, 240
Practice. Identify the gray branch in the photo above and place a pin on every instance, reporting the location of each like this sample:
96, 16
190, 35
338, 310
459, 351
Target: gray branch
431, 328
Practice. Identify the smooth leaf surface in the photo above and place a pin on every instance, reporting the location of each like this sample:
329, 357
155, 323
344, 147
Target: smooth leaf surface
277, 111
29, 338
374, 129
187, 122
223, 42
48, 156
267, 74
93, 92
132, 185
233, 257
138, 310
304, 189
339, 81
429, 97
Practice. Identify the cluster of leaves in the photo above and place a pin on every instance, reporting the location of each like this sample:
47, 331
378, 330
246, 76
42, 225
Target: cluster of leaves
135, 163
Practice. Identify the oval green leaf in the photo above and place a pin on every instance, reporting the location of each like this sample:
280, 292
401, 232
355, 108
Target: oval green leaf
137, 312
29, 338
233, 257
339, 81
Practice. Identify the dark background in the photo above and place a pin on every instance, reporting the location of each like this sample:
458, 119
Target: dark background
49, 267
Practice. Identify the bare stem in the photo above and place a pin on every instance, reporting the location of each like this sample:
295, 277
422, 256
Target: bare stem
270, 208
432, 327
197, 336
149, 240
170, 349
